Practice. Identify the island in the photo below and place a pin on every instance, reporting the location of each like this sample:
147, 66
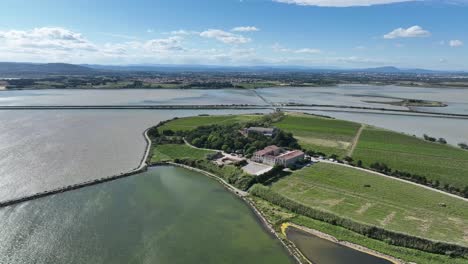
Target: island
412, 103
314, 177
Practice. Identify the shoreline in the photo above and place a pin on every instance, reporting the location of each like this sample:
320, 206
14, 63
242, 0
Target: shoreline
290, 247
347, 244
292, 250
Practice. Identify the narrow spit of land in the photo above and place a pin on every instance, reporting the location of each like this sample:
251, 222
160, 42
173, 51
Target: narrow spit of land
285, 107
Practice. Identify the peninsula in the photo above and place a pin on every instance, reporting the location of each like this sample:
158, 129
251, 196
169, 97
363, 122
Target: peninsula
340, 187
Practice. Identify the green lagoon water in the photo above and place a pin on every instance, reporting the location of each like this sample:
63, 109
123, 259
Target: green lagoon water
166, 215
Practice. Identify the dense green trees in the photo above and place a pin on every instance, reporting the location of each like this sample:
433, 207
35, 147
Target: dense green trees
230, 139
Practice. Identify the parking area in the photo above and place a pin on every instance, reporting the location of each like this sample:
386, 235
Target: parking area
255, 168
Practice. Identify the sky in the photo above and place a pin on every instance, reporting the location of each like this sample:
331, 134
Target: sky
429, 34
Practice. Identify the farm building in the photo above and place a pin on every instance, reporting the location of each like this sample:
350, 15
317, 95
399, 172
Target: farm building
269, 132
273, 155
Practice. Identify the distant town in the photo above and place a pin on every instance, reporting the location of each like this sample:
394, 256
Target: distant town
68, 76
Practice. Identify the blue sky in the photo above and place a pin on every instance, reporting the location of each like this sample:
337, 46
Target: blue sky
317, 33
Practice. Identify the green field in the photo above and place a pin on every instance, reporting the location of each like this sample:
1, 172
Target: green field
167, 152
278, 215
405, 153
189, 123
326, 135
387, 203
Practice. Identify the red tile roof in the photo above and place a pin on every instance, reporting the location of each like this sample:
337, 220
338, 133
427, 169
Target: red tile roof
266, 150
291, 154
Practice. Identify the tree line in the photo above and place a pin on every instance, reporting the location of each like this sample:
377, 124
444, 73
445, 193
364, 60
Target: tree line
390, 237
383, 168
230, 139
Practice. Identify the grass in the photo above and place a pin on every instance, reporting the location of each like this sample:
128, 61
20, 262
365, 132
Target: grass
189, 123
277, 215
446, 164
326, 135
387, 203
171, 151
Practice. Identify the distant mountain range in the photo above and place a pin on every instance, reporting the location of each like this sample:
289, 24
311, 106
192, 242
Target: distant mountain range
13, 69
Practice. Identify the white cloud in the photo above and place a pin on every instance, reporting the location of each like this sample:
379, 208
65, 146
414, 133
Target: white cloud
307, 50
245, 29
277, 47
341, 3
183, 32
48, 38
456, 43
225, 37
63, 45
164, 45
411, 32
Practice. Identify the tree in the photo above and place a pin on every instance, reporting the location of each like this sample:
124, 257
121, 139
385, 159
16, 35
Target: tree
442, 141
428, 138
359, 163
465, 192
168, 132
463, 146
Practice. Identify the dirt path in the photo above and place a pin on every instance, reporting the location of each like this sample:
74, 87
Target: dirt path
192, 146
355, 141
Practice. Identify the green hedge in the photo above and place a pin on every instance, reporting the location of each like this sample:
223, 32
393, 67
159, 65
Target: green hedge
393, 238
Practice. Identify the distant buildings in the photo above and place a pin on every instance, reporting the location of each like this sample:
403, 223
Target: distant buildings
269, 132
273, 155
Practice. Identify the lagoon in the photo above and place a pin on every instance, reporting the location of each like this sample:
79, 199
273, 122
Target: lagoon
166, 215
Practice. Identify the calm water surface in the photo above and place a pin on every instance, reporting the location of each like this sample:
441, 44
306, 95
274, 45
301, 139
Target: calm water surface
129, 97
357, 95
350, 95
322, 251
43, 150
166, 215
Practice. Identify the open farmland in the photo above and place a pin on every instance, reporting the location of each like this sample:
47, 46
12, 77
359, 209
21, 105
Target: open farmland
326, 135
180, 151
189, 123
378, 201
446, 164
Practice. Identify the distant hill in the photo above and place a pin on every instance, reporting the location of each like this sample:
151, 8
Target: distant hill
13, 69
217, 68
